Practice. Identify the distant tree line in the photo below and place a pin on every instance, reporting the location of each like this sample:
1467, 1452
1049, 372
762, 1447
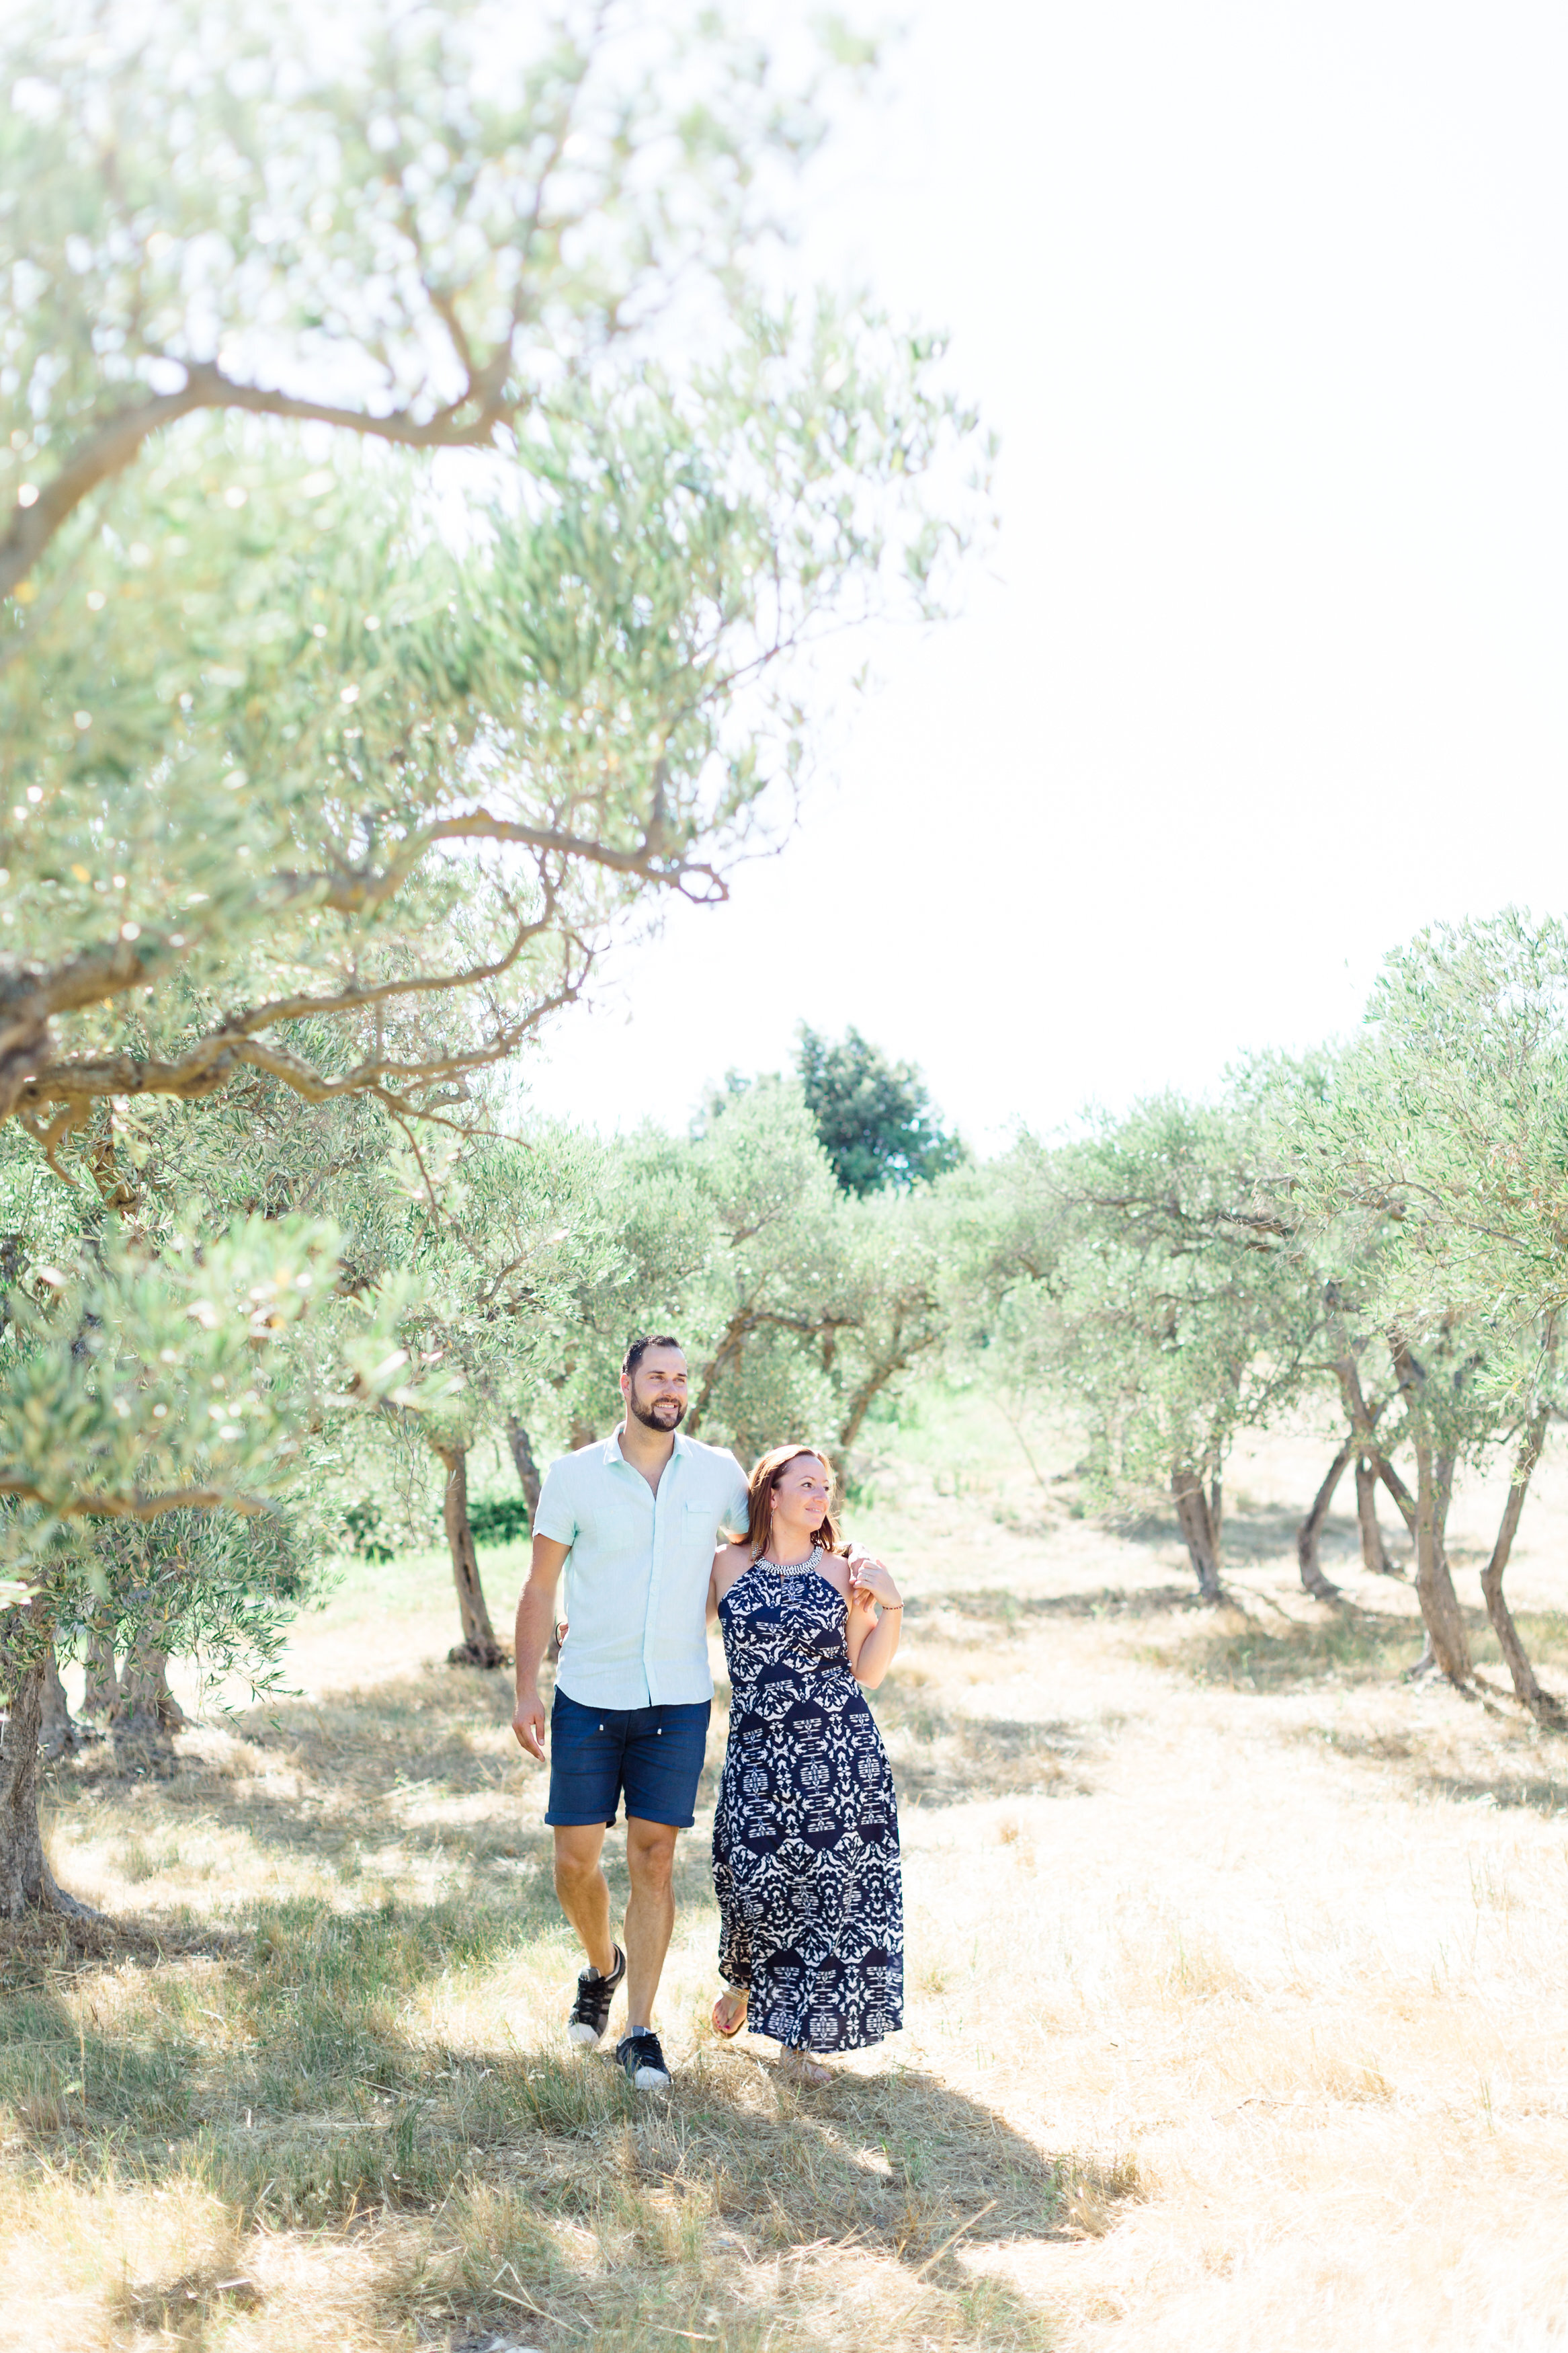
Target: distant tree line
1371, 1242
1374, 1238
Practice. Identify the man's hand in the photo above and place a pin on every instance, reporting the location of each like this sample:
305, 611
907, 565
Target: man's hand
528, 1723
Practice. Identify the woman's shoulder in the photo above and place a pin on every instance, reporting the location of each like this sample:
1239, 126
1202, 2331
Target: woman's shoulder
730, 1562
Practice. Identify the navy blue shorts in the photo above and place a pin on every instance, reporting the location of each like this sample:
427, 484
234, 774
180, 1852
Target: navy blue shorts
653, 1754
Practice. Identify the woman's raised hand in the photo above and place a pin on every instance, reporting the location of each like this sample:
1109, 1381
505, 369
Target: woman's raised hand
871, 1579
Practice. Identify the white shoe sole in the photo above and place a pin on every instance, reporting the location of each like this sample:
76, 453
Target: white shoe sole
583, 2038
650, 2079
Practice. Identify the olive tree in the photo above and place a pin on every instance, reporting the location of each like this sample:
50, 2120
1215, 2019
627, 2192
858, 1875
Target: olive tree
1440, 1150
500, 1239
418, 507
315, 762
1129, 1273
799, 1307
730, 1240
196, 1384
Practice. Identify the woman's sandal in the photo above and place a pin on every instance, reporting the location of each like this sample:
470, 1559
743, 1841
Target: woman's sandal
729, 2032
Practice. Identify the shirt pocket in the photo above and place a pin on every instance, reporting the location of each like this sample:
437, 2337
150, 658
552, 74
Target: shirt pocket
699, 1533
616, 1534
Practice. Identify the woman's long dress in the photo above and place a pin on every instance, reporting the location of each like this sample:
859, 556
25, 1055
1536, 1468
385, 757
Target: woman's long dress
805, 1837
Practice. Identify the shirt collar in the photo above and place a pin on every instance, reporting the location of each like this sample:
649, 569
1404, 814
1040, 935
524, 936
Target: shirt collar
612, 1446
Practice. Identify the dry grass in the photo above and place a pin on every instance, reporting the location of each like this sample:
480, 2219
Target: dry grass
1237, 2005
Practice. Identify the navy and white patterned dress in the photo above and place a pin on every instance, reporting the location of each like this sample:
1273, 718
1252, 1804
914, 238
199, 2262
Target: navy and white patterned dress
805, 1837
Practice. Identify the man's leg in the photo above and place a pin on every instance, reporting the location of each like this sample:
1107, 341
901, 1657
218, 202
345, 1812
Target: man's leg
585, 1895
651, 1912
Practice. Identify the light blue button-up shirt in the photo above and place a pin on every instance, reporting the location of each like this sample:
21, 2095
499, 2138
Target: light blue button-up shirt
637, 1570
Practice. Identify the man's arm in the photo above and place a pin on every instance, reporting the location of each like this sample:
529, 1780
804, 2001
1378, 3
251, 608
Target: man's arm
535, 1616
740, 1511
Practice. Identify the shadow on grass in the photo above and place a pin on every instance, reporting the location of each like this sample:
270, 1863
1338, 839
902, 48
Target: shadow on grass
1347, 1644
1260, 1533
289, 2064
283, 2080
1351, 1643
942, 1757
1403, 1752
416, 1766
330, 1779
1532, 1791
986, 1610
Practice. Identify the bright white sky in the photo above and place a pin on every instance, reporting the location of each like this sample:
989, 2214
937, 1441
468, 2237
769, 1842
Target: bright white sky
1267, 668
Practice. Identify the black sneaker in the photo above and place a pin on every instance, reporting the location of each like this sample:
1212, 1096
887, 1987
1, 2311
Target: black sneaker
642, 2060
590, 2013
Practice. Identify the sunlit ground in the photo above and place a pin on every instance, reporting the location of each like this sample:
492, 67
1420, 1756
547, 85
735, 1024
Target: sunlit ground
1236, 1988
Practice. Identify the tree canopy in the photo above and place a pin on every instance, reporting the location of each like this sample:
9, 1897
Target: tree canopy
400, 587
875, 1116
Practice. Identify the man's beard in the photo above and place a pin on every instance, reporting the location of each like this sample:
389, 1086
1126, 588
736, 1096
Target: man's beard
665, 1414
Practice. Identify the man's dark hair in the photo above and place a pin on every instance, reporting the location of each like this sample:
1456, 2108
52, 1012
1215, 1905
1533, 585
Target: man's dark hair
639, 1348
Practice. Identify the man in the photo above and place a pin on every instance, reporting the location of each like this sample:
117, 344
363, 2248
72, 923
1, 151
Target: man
638, 1518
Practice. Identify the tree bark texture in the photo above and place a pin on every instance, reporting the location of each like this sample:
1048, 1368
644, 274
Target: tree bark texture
1526, 1688
146, 1715
102, 1692
26, 1883
478, 1647
528, 1477
1383, 1469
1364, 1422
860, 1405
1193, 1515
1440, 1613
1373, 1551
59, 1734
898, 1358
1310, 1534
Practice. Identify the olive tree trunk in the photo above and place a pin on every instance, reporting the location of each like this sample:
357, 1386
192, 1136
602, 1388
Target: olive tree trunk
1445, 1637
1447, 1643
26, 1883
102, 1695
59, 1735
1310, 1534
528, 1478
1526, 1688
897, 1358
1383, 1469
1196, 1519
1364, 1422
1371, 1466
478, 1647
1373, 1551
146, 1715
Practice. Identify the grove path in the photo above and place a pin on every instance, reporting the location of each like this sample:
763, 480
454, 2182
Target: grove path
1235, 1980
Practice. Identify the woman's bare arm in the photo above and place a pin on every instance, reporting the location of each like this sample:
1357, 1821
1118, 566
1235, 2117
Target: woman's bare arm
872, 1641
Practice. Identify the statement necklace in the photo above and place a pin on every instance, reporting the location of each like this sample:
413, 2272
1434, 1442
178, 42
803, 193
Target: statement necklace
794, 1567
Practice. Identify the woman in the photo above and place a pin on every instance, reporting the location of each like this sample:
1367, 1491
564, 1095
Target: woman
806, 1838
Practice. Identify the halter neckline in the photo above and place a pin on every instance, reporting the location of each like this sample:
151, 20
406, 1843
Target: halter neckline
791, 1567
